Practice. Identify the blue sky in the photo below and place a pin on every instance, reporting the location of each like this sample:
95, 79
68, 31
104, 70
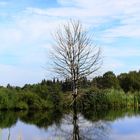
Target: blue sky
26, 27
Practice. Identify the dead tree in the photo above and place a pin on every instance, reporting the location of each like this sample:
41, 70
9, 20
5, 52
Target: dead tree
73, 55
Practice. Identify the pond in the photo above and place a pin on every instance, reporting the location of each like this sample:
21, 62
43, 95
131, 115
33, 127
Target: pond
55, 125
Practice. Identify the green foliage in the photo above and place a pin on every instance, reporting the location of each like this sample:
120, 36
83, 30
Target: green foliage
109, 99
107, 91
7, 98
38, 96
126, 81
116, 98
32, 100
108, 80
21, 106
130, 81
10, 99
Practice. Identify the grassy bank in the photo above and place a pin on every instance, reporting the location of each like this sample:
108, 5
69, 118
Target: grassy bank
25, 100
54, 98
109, 99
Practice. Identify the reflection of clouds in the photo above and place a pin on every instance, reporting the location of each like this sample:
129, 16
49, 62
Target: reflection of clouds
126, 128
125, 137
87, 130
97, 131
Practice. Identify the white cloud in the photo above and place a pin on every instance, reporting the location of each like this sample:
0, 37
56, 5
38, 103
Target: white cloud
96, 13
19, 76
111, 64
29, 32
129, 31
10, 35
118, 52
115, 58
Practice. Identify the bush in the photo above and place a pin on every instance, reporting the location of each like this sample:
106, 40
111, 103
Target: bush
108, 98
21, 106
32, 100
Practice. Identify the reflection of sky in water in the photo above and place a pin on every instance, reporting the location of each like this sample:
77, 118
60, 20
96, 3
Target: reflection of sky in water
127, 128
25, 132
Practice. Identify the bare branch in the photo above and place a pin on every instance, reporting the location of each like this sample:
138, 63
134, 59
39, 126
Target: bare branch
73, 56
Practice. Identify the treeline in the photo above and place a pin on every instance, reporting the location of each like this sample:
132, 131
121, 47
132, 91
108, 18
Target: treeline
128, 82
107, 91
125, 81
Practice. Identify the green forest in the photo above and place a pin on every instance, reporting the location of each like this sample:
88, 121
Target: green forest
107, 92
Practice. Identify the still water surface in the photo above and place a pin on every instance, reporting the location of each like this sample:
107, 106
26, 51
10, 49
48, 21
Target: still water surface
111, 125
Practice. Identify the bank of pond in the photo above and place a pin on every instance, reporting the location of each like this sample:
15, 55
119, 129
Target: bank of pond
13, 99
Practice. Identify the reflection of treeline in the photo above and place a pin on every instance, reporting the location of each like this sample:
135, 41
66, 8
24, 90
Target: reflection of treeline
43, 119
7, 119
107, 91
108, 115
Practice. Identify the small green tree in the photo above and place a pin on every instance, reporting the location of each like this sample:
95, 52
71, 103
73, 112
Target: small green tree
110, 80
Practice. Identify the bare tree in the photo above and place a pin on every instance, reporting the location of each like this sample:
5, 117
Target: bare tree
74, 56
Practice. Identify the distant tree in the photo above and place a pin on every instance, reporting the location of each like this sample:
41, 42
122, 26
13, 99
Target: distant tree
84, 82
66, 85
97, 82
43, 82
74, 56
110, 80
130, 81
9, 86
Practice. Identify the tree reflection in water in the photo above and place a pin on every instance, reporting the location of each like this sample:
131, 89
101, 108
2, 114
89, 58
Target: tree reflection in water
76, 135
75, 127
9, 134
88, 125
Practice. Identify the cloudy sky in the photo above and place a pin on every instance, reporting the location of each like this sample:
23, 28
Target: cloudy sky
26, 27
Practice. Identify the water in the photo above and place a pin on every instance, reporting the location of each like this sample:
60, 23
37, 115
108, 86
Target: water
55, 125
